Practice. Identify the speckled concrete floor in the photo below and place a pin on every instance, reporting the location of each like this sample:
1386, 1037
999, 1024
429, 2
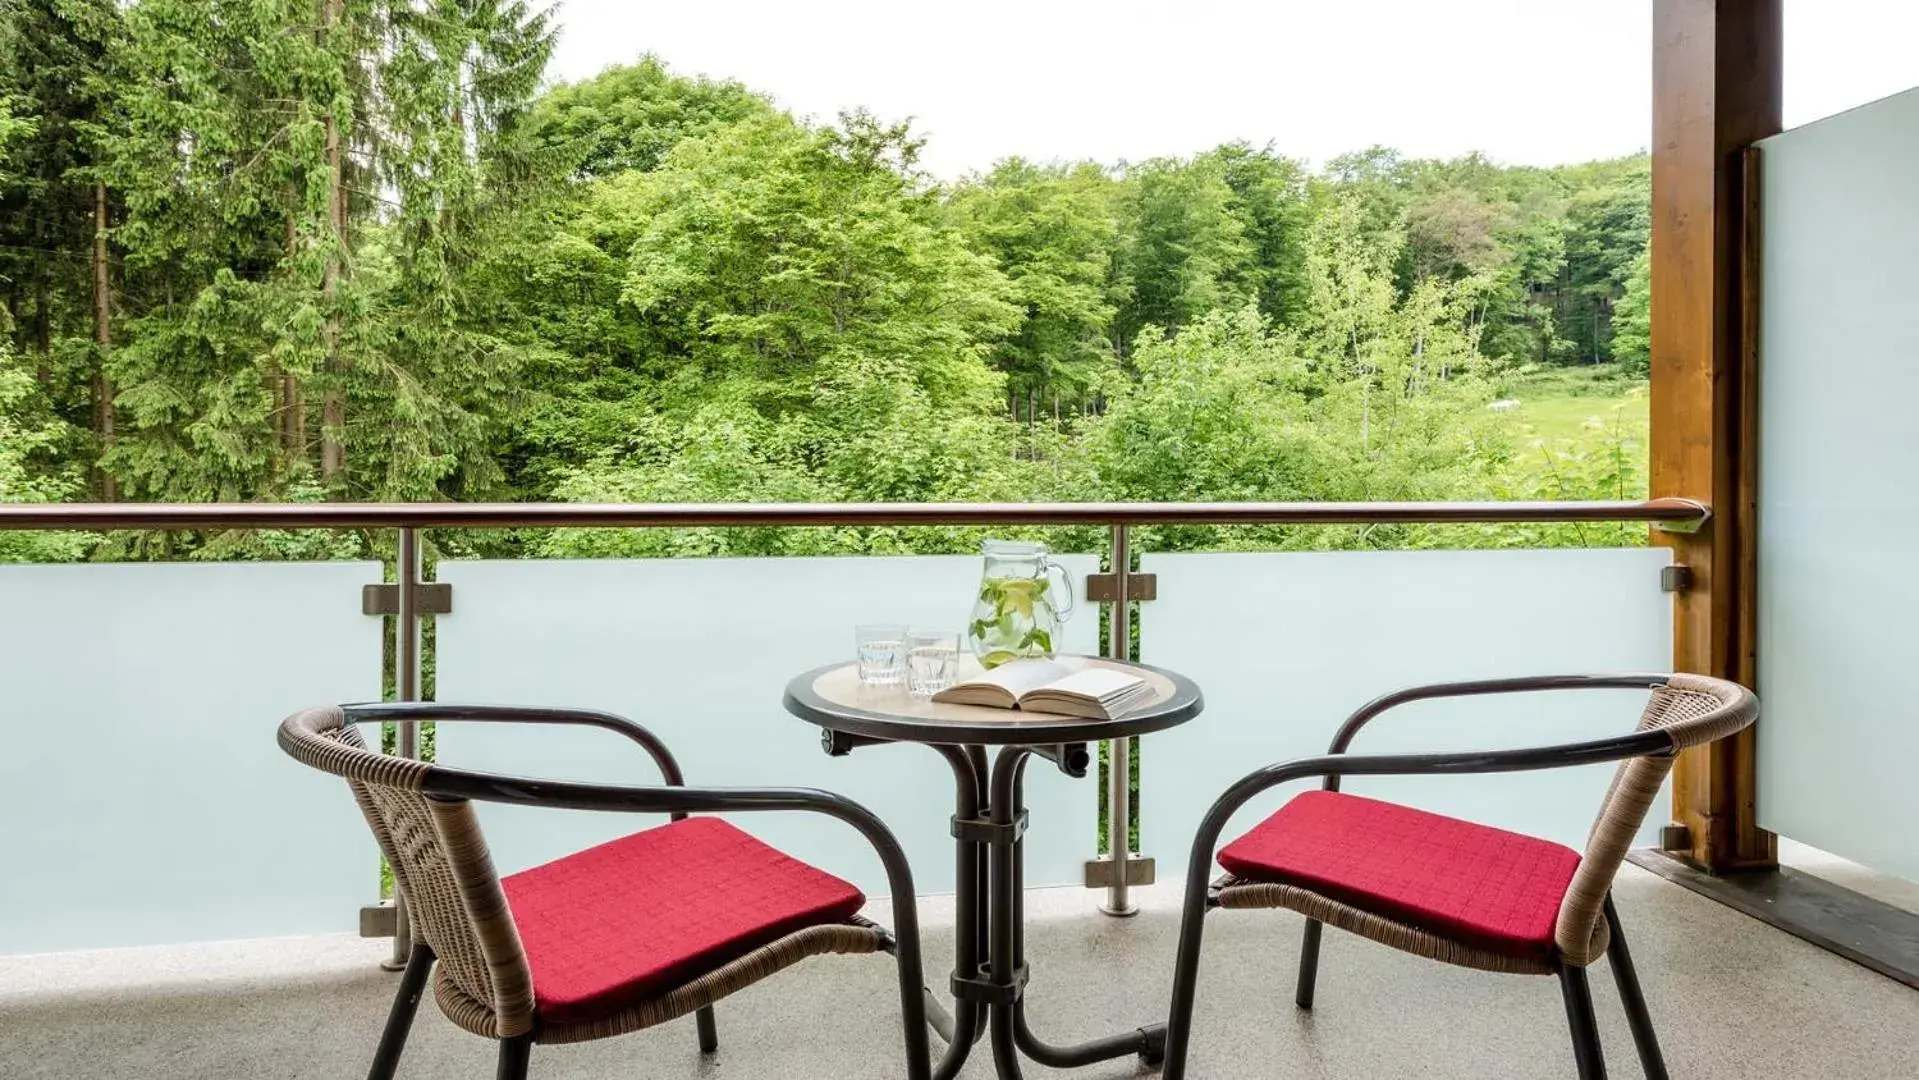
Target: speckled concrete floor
1733, 999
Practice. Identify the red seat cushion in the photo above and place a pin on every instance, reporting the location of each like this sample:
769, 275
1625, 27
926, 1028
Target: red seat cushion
632, 918
1487, 887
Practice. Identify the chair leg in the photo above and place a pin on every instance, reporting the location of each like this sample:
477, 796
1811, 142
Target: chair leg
709, 1031
1308, 965
1585, 1028
919, 1055
1179, 1015
514, 1053
399, 1019
1643, 1036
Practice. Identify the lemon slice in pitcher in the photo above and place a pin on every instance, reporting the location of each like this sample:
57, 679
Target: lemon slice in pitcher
1017, 594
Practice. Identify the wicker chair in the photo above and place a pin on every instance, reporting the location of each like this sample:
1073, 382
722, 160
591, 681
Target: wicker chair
1451, 890
620, 937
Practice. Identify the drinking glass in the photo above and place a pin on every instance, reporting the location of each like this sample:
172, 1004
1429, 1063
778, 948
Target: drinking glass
880, 651
932, 661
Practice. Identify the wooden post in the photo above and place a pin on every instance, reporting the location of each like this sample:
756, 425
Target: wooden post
1716, 89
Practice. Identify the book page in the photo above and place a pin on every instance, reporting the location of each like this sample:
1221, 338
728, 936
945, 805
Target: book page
1094, 682
1016, 677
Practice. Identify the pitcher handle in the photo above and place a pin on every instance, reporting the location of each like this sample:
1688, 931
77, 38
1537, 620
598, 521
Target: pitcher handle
1065, 586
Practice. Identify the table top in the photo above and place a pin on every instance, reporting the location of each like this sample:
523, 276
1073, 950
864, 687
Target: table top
833, 698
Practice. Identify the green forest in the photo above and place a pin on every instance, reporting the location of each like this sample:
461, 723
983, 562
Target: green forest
368, 250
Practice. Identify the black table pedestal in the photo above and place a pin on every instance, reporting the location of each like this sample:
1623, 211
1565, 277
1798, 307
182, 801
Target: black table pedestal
989, 974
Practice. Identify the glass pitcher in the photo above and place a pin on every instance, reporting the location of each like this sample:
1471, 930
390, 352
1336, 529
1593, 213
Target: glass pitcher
1023, 598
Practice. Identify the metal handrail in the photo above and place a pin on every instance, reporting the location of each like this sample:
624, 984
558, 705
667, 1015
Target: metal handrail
1677, 514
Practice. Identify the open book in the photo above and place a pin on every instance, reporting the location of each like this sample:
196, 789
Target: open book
1047, 686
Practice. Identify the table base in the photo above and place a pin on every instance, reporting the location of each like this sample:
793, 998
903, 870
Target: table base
989, 978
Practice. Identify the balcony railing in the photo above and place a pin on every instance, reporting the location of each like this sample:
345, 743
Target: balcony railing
141, 695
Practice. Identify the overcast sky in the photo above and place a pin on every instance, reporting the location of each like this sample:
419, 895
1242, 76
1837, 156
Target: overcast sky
1525, 81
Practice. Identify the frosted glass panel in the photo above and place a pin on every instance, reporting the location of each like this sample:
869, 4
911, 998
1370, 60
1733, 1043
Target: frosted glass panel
1285, 646
144, 797
1838, 506
700, 650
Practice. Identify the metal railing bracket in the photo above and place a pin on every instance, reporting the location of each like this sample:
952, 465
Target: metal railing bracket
378, 920
429, 598
1104, 588
1688, 525
1139, 871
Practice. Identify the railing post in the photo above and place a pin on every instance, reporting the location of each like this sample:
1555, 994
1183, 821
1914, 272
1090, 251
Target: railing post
406, 687
1119, 757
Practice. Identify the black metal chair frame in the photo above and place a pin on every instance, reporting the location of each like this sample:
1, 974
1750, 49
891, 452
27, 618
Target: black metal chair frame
1200, 894
675, 799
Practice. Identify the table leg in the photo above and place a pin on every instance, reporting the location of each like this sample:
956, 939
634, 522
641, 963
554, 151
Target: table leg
1149, 1042
982, 856
964, 1026
1006, 967
989, 969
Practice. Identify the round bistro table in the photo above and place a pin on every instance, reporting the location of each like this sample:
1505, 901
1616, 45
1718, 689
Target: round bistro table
989, 976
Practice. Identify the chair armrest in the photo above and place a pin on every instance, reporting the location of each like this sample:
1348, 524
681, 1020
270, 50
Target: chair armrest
1649, 743
1477, 688
417, 711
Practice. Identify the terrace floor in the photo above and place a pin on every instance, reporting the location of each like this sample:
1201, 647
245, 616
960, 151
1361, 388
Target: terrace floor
1733, 999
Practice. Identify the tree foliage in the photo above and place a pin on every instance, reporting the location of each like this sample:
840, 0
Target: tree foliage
1632, 322
1054, 232
626, 118
304, 249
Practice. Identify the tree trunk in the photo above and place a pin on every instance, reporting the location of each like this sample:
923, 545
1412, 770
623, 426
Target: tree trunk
333, 401
289, 419
449, 221
103, 419
42, 332
1366, 416
1032, 422
294, 430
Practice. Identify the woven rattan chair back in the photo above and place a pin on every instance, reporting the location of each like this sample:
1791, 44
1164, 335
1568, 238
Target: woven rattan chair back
441, 867
1694, 710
